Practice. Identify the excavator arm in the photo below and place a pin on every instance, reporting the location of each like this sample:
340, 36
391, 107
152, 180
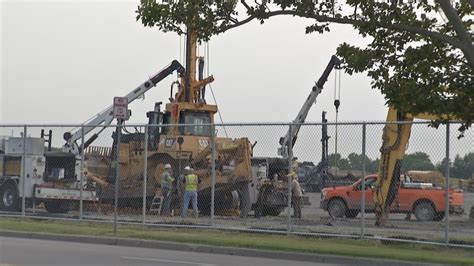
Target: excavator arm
396, 135
303, 113
106, 117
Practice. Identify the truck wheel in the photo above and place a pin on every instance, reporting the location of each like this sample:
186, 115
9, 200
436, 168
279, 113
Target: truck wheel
352, 213
9, 198
337, 208
272, 211
424, 211
55, 207
439, 216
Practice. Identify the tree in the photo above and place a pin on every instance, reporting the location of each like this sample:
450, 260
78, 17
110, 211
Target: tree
417, 161
374, 166
335, 159
463, 167
441, 167
356, 161
421, 56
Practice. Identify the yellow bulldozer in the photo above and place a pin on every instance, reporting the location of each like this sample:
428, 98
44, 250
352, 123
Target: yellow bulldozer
181, 135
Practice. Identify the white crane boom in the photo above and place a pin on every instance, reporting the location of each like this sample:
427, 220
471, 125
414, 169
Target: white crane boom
303, 113
106, 117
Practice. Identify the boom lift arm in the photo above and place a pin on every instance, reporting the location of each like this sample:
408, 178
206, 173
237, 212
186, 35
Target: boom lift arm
106, 117
396, 135
303, 113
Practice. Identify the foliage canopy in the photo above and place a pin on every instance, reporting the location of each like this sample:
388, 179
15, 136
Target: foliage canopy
421, 54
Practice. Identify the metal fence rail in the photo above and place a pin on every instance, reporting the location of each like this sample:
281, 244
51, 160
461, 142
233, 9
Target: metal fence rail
238, 182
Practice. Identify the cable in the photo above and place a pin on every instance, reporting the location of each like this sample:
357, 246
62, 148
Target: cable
212, 91
337, 103
180, 49
218, 111
207, 58
339, 88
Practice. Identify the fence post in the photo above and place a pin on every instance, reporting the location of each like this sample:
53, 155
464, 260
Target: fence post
145, 173
362, 203
117, 168
81, 182
23, 173
446, 187
290, 164
213, 171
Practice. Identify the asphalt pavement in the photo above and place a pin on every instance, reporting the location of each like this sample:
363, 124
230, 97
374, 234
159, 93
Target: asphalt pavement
20, 251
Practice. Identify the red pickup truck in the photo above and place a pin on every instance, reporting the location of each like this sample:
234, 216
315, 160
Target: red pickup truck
424, 200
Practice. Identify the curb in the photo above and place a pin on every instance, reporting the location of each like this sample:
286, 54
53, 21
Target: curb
245, 252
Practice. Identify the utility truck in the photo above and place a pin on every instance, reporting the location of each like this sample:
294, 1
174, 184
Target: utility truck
54, 177
51, 178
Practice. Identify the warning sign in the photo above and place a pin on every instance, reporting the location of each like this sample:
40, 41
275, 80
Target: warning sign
121, 108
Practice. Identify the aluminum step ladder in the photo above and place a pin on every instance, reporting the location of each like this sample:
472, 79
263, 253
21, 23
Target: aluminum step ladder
156, 204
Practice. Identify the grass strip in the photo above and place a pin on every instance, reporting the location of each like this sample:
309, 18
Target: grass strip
344, 247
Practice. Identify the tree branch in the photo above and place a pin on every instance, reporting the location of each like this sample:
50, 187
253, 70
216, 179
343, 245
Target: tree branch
463, 35
344, 20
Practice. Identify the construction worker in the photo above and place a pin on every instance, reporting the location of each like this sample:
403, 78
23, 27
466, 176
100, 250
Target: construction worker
190, 192
166, 189
296, 194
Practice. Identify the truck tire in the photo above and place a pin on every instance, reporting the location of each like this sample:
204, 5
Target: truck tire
439, 216
55, 207
9, 198
424, 212
337, 208
272, 211
352, 213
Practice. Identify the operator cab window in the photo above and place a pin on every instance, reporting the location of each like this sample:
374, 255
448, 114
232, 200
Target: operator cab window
197, 124
166, 121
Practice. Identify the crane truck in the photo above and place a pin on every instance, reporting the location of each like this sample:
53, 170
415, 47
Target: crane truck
53, 177
303, 113
272, 196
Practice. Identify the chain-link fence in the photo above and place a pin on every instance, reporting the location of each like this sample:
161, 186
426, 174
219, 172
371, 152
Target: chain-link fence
346, 179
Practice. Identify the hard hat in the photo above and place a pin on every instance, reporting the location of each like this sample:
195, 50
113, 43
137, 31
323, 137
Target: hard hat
167, 166
187, 168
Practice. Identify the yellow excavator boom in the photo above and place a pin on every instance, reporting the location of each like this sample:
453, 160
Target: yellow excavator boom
396, 135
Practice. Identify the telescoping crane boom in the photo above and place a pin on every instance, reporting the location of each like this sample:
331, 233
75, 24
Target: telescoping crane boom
303, 113
106, 117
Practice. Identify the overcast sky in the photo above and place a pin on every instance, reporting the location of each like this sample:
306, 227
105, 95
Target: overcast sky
64, 61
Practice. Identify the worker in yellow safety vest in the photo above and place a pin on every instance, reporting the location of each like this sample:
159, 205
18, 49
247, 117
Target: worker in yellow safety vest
191, 181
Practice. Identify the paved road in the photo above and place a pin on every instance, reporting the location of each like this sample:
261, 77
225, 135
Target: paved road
18, 251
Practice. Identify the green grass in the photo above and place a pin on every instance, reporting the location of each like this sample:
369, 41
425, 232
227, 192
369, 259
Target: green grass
346, 247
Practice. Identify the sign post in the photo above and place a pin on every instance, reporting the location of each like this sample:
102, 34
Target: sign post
120, 113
